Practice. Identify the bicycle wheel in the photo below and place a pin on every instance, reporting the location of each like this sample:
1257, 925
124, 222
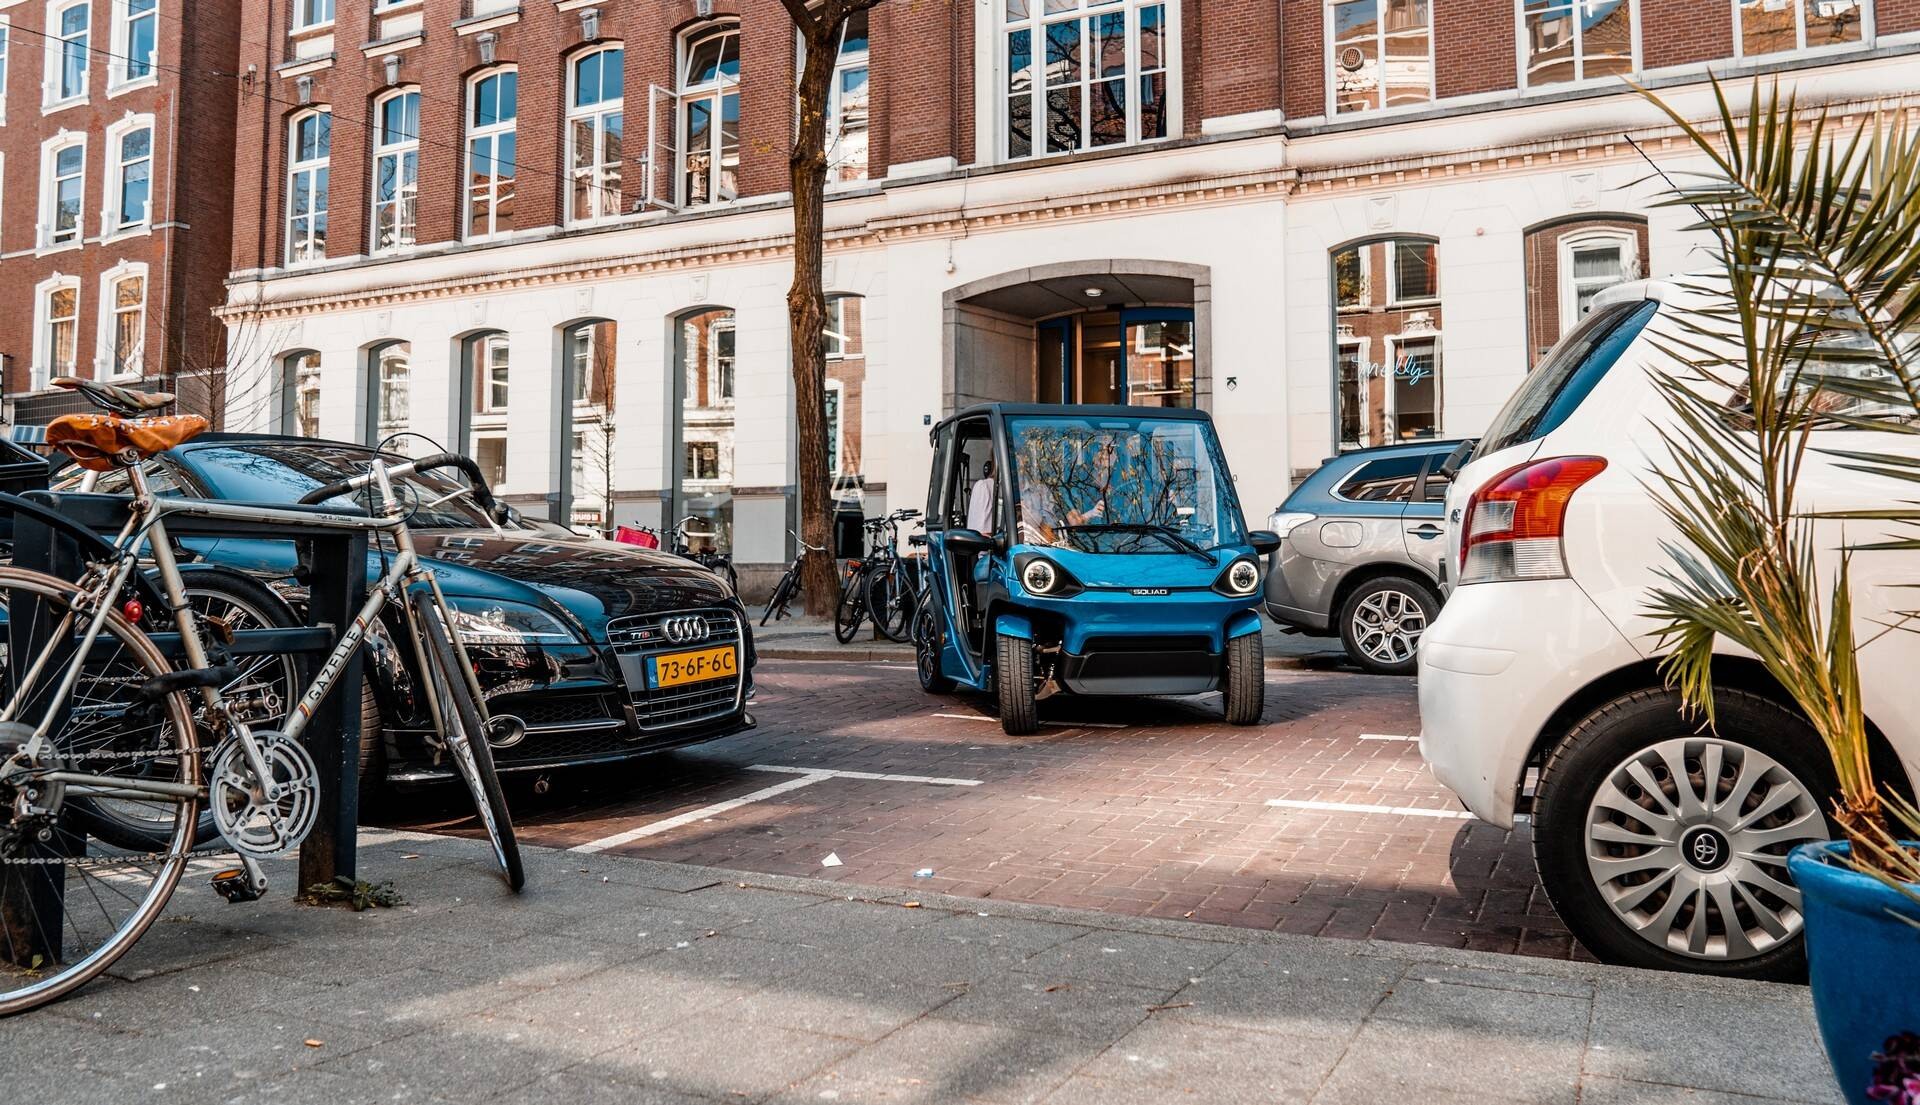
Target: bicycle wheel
852, 609
71, 902
890, 600
782, 594
467, 743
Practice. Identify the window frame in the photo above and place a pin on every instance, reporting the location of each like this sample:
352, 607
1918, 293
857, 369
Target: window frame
1868, 33
715, 93
1036, 22
301, 11
106, 342
723, 382
491, 134
316, 169
1565, 246
55, 48
122, 18
6, 61
50, 179
484, 402
598, 112
405, 153
1394, 298
1380, 40
843, 64
113, 215
377, 427
42, 371
1580, 78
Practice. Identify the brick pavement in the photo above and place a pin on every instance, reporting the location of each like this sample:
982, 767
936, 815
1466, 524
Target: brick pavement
1164, 817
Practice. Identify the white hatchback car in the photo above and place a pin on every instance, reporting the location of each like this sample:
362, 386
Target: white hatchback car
1660, 843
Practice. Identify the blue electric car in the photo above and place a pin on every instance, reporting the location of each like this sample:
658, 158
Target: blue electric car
1094, 550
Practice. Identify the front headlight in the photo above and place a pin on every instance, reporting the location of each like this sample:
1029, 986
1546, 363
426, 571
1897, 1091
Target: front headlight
1242, 577
1039, 576
492, 622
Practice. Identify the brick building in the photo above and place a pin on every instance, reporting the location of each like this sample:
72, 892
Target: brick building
1331, 222
116, 154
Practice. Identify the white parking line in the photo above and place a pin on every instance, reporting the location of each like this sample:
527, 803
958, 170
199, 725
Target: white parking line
1044, 724
833, 773
1357, 807
1385, 737
807, 776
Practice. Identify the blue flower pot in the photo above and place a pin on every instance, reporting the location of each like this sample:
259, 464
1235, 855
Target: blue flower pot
1865, 965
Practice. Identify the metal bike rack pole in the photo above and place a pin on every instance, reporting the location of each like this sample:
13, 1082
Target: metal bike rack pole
336, 592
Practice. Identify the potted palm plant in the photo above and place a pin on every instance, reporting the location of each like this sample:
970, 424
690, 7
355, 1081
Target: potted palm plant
1810, 319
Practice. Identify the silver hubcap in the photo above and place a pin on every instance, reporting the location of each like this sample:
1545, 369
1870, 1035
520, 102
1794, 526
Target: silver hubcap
1687, 841
1387, 626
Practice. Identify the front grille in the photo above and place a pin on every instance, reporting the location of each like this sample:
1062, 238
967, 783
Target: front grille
552, 709
564, 745
642, 635
1145, 643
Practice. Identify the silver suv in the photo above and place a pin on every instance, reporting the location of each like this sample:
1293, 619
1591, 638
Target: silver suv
1362, 541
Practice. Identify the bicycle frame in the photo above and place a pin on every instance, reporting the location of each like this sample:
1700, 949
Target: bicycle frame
147, 521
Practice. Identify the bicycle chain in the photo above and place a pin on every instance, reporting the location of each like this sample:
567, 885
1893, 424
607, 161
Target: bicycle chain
115, 861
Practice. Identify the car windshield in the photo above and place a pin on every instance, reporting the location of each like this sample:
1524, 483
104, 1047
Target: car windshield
1121, 485
276, 472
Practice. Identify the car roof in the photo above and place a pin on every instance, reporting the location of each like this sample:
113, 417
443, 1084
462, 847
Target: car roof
225, 437
1076, 410
1397, 449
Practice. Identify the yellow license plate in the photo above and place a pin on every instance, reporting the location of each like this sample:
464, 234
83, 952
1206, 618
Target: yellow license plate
697, 666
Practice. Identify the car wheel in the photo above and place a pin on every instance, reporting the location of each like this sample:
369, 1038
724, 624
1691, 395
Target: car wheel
1664, 845
926, 649
1246, 682
1013, 683
1382, 620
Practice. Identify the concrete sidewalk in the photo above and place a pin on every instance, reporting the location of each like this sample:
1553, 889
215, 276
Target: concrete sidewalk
805, 638
623, 980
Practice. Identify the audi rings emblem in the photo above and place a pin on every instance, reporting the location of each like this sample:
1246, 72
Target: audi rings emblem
685, 630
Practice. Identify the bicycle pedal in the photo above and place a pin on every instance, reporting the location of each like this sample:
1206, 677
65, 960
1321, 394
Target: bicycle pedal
237, 884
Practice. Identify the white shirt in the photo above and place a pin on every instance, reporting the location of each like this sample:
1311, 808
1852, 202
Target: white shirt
980, 506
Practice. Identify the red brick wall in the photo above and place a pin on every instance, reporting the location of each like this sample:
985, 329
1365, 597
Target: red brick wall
1896, 16
189, 209
1473, 44
1542, 249
1239, 43
915, 60
1303, 63
1680, 32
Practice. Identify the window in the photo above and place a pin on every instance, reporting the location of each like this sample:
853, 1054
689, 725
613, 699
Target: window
300, 394
847, 104
1380, 54
709, 126
720, 365
1387, 370
1776, 26
492, 385
126, 323
1590, 264
311, 137
1575, 40
1387, 480
1077, 80
595, 122
132, 181
135, 24
311, 13
4, 29
833, 396
59, 340
580, 351
393, 390
703, 460
69, 52
492, 108
63, 176
845, 331
396, 169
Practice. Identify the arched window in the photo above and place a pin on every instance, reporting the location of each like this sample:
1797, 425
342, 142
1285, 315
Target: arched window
595, 126
121, 347
482, 417
1568, 262
310, 153
63, 187
709, 123
847, 100
1386, 323
56, 331
396, 168
389, 389
585, 429
300, 393
493, 102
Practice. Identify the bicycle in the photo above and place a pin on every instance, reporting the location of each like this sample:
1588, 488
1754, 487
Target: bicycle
86, 686
713, 560
861, 598
785, 591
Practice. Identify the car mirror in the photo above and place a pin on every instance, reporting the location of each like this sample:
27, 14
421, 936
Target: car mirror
970, 541
1263, 541
505, 515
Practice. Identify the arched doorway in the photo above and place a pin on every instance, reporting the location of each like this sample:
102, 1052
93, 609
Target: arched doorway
705, 343
1126, 332
584, 430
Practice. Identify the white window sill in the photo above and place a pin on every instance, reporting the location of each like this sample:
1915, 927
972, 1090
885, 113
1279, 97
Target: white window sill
137, 230
311, 29
151, 80
380, 9
63, 247
48, 107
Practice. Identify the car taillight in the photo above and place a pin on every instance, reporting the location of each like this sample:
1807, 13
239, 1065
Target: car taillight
1514, 524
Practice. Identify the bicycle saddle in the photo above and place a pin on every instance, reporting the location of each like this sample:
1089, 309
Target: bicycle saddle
117, 399
102, 442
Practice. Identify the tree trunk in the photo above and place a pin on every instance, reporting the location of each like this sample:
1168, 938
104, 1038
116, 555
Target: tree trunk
807, 315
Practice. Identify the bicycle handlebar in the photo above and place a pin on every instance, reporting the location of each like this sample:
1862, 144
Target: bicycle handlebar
482, 494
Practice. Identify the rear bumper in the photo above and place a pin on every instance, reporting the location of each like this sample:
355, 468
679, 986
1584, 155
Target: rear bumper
1493, 668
